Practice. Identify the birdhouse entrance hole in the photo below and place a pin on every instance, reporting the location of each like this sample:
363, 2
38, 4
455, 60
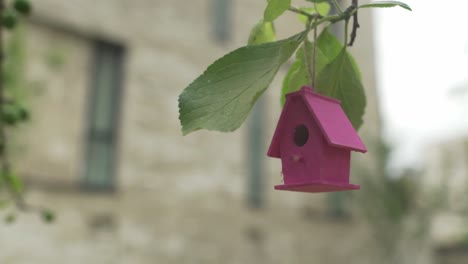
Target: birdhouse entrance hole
301, 135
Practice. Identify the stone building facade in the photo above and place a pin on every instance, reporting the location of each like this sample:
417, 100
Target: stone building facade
446, 174
446, 169
165, 198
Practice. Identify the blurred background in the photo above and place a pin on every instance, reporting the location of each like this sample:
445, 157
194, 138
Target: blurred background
104, 151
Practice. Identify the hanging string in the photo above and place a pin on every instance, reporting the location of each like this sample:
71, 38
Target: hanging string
346, 32
307, 57
311, 69
314, 51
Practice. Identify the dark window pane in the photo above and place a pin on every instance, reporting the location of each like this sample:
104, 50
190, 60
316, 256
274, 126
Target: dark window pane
256, 155
221, 19
103, 116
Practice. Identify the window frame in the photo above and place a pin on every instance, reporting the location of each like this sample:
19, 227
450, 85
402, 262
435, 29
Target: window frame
119, 51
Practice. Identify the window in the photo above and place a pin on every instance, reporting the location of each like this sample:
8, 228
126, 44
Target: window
221, 22
103, 115
256, 155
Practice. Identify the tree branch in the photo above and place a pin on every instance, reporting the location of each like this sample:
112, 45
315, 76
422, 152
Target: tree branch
304, 13
355, 23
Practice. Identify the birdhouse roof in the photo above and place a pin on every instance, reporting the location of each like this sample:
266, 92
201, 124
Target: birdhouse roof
330, 118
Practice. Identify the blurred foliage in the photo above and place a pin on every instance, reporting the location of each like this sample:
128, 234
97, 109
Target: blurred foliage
12, 10
398, 208
14, 67
22, 6
55, 59
223, 95
47, 215
13, 110
337, 206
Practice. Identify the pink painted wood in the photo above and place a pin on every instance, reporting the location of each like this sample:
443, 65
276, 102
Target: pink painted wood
320, 160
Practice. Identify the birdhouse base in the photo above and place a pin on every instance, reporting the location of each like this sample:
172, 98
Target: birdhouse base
315, 187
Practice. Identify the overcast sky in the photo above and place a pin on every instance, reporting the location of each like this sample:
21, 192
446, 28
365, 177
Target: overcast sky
422, 55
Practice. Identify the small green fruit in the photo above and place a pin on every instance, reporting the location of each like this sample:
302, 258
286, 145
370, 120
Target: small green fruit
22, 6
9, 19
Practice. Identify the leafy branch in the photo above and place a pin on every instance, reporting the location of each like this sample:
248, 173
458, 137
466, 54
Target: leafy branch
355, 24
12, 111
221, 98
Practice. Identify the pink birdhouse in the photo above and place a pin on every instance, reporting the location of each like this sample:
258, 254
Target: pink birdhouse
314, 139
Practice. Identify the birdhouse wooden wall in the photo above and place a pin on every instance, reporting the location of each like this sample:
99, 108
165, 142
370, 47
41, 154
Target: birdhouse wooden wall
300, 155
335, 164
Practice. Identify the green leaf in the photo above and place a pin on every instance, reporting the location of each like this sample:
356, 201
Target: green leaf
322, 8
275, 8
221, 98
340, 80
328, 47
296, 77
8, 19
15, 182
262, 32
22, 6
387, 4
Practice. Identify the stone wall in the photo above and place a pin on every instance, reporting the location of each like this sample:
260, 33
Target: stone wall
178, 199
